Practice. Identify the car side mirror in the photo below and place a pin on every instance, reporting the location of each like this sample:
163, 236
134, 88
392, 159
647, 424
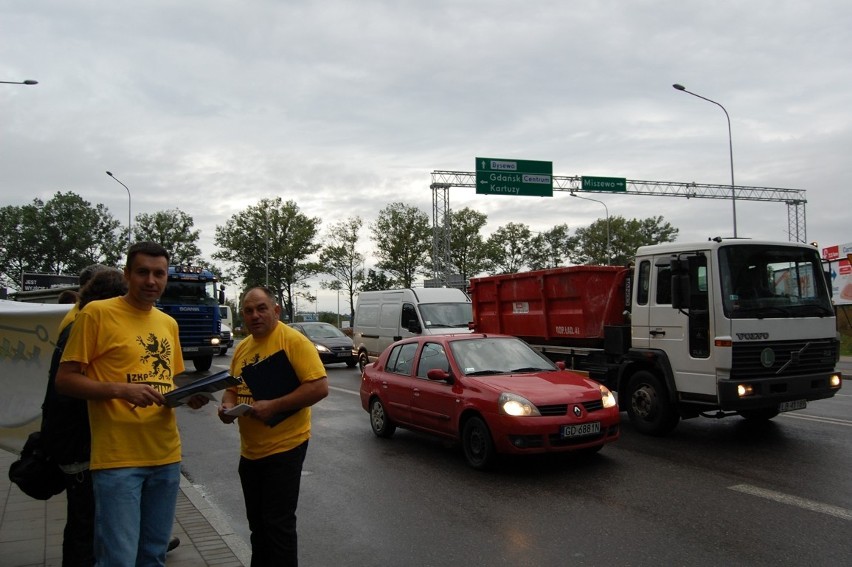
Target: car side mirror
438, 375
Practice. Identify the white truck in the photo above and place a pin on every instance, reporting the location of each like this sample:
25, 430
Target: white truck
717, 328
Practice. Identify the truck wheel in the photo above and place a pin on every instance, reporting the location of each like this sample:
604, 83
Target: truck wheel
379, 420
648, 406
202, 364
760, 414
477, 444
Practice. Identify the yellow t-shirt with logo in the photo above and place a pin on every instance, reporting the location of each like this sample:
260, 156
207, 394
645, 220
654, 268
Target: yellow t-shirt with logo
258, 440
115, 342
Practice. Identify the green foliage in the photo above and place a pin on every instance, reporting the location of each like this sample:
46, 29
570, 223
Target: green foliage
377, 281
341, 260
469, 251
173, 230
60, 236
625, 236
549, 249
508, 247
403, 238
271, 244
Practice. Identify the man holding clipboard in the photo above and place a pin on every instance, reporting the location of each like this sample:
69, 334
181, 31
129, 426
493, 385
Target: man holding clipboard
282, 377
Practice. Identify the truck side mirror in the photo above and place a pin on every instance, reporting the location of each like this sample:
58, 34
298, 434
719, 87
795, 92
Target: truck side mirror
828, 283
414, 327
680, 290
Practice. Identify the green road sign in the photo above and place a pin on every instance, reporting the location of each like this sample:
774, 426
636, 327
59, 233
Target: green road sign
514, 177
604, 183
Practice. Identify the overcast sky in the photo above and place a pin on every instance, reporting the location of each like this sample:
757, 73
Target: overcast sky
347, 106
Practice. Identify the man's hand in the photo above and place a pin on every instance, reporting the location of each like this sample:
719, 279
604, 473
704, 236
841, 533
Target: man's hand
141, 395
224, 406
197, 401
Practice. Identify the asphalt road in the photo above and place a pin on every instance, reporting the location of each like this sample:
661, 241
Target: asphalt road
714, 492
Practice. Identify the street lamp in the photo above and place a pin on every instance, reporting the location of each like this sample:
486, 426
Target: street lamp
607, 221
128, 205
27, 82
730, 149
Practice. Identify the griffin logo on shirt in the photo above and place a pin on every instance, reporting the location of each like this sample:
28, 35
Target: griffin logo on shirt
157, 353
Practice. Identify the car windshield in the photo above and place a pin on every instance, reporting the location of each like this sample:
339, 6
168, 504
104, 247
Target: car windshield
497, 355
322, 331
760, 281
437, 315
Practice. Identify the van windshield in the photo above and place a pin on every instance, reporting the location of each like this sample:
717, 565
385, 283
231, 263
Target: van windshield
444, 315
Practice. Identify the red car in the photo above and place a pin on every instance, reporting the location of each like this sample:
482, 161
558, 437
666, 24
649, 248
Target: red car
493, 393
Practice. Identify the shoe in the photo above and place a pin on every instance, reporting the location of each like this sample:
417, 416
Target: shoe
173, 543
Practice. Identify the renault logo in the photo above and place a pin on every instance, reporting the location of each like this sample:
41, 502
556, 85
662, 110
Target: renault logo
577, 411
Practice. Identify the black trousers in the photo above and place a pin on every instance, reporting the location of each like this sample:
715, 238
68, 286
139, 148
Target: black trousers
271, 492
78, 540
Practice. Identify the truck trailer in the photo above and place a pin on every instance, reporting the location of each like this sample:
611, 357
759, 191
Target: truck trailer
718, 328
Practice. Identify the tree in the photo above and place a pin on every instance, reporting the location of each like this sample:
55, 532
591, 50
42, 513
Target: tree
403, 239
468, 249
508, 246
341, 260
60, 236
549, 249
271, 244
589, 243
172, 229
377, 281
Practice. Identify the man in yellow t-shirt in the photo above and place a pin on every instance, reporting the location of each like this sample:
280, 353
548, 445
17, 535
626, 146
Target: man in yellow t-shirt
122, 355
271, 456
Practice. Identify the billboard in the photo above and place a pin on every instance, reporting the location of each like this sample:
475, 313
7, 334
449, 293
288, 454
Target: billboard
839, 261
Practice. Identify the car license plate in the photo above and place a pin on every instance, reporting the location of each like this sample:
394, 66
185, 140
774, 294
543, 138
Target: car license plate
344, 354
581, 430
794, 405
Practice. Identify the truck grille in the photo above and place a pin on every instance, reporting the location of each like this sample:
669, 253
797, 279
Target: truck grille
770, 359
195, 327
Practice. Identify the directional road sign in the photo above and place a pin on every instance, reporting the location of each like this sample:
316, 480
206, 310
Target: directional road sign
514, 177
604, 183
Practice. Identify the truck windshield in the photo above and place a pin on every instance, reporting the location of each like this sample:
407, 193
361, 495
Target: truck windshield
760, 281
189, 292
446, 314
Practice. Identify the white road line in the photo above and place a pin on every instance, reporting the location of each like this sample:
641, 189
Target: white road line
804, 503
808, 417
337, 389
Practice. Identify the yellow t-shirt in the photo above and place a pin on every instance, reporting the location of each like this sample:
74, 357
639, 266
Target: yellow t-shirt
258, 440
69, 317
116, 342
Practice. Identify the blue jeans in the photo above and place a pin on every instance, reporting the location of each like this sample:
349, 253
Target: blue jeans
134, 514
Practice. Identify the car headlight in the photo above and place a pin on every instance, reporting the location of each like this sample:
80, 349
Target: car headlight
322, 348
513, 404
607, 398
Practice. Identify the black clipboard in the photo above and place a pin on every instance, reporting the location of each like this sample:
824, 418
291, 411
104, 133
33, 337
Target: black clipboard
272, 378
208, 384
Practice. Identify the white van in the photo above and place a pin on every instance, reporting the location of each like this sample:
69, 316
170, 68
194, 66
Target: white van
383, 317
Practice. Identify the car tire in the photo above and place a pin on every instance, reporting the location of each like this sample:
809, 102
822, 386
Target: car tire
379, 420
761, 414
477, 444
648, 405
352, 362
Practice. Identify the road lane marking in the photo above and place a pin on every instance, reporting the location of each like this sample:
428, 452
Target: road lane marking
336, 389
804, 503
809, 417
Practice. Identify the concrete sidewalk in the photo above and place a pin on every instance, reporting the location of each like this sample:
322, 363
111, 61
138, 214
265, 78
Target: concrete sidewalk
31, 530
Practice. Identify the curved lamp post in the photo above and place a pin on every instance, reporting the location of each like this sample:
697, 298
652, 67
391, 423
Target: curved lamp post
607, 221
730, 148
128, 205
27, 82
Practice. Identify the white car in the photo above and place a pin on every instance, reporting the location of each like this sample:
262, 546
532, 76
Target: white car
227, 340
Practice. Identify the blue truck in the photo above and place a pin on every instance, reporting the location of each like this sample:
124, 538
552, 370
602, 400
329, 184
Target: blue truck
192, 297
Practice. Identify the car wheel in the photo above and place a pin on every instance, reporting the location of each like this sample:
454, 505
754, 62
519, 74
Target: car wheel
379, 420
363, 361
477, 444
351, 363
649, 406
761, 414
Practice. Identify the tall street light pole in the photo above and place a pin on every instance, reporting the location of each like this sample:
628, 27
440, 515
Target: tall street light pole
27, 82
128, 205
730, 149
608, 259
